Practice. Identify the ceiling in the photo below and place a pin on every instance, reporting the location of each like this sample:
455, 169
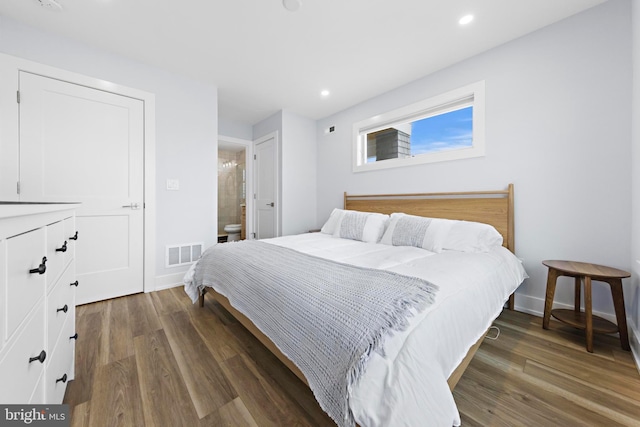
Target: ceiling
264, 58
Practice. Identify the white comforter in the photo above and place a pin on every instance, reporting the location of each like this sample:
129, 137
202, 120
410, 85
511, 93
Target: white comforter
408, 386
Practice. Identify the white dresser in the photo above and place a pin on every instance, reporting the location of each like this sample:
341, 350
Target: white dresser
37, 301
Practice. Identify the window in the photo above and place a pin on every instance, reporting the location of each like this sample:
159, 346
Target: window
446, 127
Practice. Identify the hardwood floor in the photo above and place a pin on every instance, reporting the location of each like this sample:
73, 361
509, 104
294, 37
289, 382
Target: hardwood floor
157, 360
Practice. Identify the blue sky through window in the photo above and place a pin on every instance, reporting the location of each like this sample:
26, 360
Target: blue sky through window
449, 131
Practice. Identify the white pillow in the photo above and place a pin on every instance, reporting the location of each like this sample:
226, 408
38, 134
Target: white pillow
363, 226
468, 236
329, 227
418, 231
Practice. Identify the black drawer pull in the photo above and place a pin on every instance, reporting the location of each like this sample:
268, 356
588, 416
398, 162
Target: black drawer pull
63, 379
65, 308
74, 237
41, 268
63, 248
74, 284
40, 358
74, 336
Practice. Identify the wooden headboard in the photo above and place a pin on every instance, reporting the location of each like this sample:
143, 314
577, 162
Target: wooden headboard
489, 207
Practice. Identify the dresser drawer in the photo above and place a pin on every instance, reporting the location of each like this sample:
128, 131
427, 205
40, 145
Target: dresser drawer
57, 248
37, 397
59, 371
19, 376
62, 295
70, 234
24, 289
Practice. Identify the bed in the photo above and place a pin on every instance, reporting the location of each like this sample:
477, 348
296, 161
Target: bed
408, 379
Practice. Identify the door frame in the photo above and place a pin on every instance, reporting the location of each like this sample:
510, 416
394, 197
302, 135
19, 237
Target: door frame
10, 67
248, 153
278, 185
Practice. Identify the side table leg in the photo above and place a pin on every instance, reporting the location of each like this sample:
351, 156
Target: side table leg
621, 315
576, 300
552, 277
588, 313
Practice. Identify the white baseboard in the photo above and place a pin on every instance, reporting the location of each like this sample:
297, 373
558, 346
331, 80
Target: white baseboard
169, 281
634, 341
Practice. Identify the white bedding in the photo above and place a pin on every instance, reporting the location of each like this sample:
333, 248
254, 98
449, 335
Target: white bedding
408, 385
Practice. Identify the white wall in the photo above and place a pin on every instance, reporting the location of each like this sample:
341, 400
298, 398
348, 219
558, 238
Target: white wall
234, 129
298, 174
634, 295
186, 132
297, 141
557, 126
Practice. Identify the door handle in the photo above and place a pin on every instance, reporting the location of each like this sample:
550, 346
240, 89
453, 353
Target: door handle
133, 206
271, 204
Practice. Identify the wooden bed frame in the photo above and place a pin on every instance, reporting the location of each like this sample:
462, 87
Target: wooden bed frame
490, 207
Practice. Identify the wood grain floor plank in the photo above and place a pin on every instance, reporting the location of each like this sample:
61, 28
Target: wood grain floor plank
165, 302
233, 414
166, 400
579, 363
80, 415
270, 367
558, 331
181, 296
120, 343
478, 407
621, 409
528, 376
224, 316
90, 330
567, 402
266, 405
527, 403
105, 342
207, 384
624, 357
222, 344
562, 336
117, 400
142, 314
94, 307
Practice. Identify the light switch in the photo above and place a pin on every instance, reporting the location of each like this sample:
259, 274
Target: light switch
173, 184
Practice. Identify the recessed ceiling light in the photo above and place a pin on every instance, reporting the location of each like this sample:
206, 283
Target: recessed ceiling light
465, 19
292, 5
324, 93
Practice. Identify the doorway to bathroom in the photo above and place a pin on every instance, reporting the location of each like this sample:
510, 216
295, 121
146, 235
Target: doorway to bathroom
233, 187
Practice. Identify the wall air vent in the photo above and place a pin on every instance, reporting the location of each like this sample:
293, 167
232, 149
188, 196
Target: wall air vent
186, 253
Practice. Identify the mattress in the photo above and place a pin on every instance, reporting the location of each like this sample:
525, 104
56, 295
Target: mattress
407, 385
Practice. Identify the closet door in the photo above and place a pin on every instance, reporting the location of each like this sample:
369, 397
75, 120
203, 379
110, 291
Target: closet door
79, 144
266, 186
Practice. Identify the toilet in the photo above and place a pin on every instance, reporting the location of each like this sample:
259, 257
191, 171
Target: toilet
233, 232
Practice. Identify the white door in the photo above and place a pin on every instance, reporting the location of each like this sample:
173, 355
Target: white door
79, 144
266, 187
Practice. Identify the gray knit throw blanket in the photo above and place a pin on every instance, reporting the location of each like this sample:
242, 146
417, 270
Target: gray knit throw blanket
327, 317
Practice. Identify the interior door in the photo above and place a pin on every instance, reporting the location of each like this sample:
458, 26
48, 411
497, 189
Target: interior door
266, 188
79, 144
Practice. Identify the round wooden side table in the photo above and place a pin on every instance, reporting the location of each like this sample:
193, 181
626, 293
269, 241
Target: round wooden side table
585, 273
